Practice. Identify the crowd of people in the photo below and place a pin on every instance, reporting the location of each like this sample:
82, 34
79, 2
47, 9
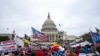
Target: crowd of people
51, 51
30, 51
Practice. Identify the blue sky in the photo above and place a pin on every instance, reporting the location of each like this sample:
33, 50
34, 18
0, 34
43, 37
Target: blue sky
75, 16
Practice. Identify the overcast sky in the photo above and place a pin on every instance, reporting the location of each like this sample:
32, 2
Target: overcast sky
75, 16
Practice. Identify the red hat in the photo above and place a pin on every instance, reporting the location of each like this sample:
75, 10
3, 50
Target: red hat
55, 48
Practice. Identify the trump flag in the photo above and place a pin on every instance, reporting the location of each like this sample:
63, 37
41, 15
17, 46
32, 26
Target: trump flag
96, 38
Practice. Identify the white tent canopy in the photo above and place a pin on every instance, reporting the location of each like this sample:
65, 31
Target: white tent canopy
82, 44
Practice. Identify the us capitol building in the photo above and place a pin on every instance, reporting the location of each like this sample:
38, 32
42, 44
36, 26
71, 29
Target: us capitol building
49, 29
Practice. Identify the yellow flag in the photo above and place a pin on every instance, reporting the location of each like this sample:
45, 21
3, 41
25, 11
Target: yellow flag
27, 42
55, 44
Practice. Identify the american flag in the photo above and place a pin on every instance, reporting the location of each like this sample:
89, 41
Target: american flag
39, 35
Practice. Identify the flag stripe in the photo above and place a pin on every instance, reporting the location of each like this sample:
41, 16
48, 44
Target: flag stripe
38, 35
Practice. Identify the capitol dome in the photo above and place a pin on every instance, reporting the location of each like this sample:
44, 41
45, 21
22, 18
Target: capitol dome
48, 25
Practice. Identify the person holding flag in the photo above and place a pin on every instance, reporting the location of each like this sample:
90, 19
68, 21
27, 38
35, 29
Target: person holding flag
27, 37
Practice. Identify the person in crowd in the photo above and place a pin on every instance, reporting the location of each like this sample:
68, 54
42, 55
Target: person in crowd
24, 53
58, 51
13, 53
74, 49
45, 51
50, 52
40, 53
73, 54
78, 50
21, 52
2, 53
29, 51
6, 53
33, 52
95, 49
69, 52
10, 54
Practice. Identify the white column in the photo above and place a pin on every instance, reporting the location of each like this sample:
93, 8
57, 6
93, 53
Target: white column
54, 37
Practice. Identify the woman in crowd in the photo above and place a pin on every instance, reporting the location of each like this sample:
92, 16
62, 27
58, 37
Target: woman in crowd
69, 52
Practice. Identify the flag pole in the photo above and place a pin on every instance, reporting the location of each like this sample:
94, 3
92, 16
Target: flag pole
94, 43
92, 37
59, 26
8, 30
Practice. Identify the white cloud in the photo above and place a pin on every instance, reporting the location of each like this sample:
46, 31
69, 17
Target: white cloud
75, 16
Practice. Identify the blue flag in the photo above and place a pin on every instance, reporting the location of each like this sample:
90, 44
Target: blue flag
95, 37
35, 32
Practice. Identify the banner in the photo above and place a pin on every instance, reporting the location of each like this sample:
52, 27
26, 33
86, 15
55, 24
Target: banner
8, 46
